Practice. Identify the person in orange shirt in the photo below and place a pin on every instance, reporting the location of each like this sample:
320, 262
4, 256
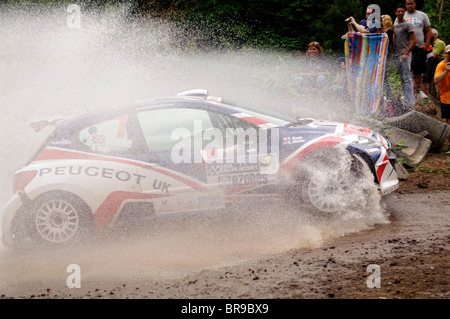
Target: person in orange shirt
442, 78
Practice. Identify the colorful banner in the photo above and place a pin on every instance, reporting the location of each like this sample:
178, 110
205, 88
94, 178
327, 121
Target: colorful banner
365, 60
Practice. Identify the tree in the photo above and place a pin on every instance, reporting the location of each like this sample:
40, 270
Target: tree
438, 11
284, 24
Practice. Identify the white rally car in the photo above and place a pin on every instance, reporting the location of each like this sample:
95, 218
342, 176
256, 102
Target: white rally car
191, 152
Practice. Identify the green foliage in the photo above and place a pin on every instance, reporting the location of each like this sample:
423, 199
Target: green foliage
426, 169
399, 146
281, 24
439, 20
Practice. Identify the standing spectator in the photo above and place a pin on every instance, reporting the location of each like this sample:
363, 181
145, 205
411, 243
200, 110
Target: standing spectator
442, 78
388, 28
370, 9
422, 29
436, 53
362, 26
404, 42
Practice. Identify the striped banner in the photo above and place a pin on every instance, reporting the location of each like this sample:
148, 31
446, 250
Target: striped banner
365, 60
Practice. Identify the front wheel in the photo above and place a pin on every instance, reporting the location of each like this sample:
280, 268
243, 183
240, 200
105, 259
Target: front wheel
328, 190
334, 183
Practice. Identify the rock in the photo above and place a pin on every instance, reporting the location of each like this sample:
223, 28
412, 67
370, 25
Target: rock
415, 148
419, 123
402, 173
422, 185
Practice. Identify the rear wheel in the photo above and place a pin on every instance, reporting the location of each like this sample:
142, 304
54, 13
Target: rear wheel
60, 218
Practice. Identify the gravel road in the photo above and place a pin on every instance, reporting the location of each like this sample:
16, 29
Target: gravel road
228, 257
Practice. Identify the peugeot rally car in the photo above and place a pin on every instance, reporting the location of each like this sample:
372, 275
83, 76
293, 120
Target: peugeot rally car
192, 152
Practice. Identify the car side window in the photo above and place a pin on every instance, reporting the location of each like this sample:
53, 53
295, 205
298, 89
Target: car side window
226, 122
231, 127
109, 136
160, 126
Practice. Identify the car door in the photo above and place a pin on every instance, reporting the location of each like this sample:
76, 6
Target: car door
245, 160
172, 159
196, 157
107, 169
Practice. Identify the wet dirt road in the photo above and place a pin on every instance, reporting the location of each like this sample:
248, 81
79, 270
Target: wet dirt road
265, 258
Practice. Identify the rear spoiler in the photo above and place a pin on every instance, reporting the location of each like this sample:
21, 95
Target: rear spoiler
39, 124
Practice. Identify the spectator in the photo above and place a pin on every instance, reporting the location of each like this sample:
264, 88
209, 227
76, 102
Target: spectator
442, 78
436, 53
404, 42
422, 29
362, 26
388, 28
313, 72
359, 27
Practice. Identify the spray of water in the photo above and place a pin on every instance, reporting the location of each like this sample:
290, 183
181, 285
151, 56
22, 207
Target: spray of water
51, 69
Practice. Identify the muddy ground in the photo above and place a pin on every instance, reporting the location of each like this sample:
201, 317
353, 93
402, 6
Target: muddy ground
411, 249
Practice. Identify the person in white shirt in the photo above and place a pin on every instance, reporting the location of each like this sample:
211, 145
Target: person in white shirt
422, 29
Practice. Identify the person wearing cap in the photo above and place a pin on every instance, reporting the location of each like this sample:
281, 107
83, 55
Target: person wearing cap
436, 53
442, 78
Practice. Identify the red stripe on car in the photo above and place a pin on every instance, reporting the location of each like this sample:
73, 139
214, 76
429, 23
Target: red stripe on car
110, 207
254, 120
328, 141
382, 167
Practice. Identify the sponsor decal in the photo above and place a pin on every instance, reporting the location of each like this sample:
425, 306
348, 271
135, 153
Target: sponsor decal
91, 171
231, 168
240, 180
51, 153
293, 140
101, 172
390, 189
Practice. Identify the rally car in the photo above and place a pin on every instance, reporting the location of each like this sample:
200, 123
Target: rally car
191, 152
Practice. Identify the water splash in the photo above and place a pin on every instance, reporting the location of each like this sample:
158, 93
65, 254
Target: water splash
49, 69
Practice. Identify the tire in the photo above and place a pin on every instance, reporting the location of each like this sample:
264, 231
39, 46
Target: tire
333, 182
60, 218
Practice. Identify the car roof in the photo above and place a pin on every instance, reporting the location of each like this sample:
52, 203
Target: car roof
171, 102
197, 98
